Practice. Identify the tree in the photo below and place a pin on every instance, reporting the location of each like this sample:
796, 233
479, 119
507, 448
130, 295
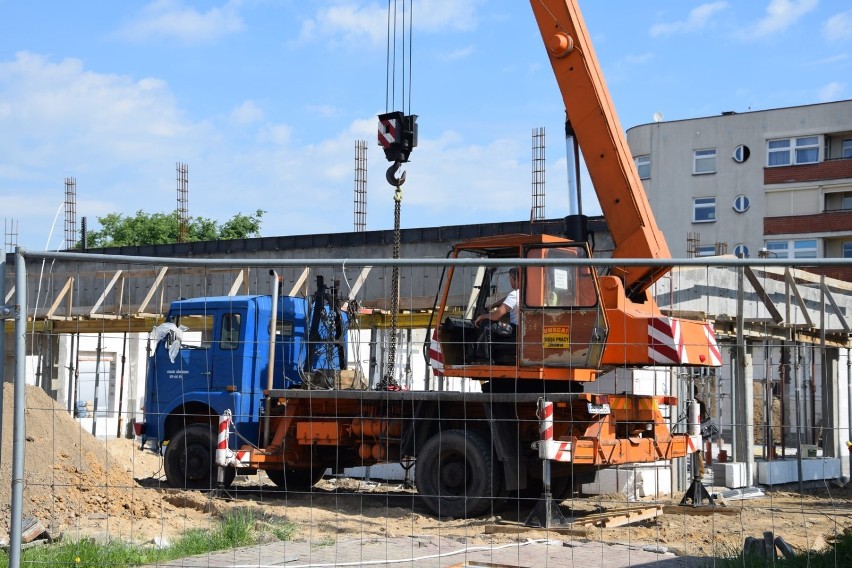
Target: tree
162, 228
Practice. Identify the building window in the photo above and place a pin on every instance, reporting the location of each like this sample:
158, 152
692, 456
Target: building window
847, 249
704, 210
741, 153
704, 161
741, 251
777, 248
643, 166
803, 248
846, 151
741, 203
790, 151
839, 201
705, 250
806, 248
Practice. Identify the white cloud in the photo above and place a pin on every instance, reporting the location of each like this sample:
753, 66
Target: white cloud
831, 92
699, 18
349, 21
457, 54
247, 113
839, 27
119, 136
323, 111
171, 19
66, 101
639, 58
839, 58
780, 15
276, 134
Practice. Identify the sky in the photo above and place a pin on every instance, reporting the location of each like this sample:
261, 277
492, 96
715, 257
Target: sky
264, 100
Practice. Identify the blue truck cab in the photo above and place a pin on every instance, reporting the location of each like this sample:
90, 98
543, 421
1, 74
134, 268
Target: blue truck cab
213, 354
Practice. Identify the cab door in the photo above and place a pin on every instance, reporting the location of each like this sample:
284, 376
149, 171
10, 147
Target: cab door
562, 321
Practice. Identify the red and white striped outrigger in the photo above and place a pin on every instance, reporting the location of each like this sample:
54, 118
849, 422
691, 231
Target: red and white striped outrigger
226, 457
596, 447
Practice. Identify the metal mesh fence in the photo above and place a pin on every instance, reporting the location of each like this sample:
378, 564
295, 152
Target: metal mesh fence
158, 406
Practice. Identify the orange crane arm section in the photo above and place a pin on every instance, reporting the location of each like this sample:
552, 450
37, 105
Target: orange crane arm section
608, 158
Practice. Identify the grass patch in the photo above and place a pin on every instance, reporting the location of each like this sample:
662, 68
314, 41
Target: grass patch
236, 528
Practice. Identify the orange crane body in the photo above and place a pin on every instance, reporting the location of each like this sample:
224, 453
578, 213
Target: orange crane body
475, 449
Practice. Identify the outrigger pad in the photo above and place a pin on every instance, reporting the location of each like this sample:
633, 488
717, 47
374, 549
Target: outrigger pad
546, 514
696, 495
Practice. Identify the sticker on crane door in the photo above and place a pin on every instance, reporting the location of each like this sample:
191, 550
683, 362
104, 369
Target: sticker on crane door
555, 337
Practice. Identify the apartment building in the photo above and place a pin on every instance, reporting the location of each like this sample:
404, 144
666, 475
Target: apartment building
773, 183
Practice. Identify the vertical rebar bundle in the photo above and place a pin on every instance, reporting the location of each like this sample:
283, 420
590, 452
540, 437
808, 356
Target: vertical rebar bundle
538, 166
183, 202
360, 186
70, 212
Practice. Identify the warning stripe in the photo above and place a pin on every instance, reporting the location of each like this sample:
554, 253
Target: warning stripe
224, 455
712, 346
387, 132
548, 448
693, 444
561, 451
436, 356
664, 342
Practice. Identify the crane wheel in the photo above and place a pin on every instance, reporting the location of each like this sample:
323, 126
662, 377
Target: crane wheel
190, 459
455, 474
295, 479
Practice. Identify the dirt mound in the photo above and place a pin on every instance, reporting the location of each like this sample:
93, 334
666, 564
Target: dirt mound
76, 483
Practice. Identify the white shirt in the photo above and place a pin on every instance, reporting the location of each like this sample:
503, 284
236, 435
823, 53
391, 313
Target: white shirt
511, 302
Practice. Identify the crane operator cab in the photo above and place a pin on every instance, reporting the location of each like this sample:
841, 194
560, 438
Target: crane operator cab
561, 325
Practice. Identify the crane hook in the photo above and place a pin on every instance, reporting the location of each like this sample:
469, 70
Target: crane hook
390, 175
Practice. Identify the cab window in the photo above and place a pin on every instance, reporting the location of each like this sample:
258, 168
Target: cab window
559, 286
229, 336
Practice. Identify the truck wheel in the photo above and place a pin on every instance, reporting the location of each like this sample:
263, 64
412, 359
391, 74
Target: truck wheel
295, 479
455, 474
190, 459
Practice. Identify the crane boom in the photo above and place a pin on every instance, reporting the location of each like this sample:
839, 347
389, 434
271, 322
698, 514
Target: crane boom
589, 109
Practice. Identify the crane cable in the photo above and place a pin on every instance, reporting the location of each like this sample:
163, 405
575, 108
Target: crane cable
389, 382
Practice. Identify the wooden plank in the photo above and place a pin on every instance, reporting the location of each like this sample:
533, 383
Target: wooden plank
518, 528
297, 290
631, 517
152, 289
238, 282
105, 292
359, 282
834, 306
581, 525
65, 289
799, 302
761, 293
686, 510
618, 517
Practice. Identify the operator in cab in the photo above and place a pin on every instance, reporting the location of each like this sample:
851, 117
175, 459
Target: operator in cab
492, 330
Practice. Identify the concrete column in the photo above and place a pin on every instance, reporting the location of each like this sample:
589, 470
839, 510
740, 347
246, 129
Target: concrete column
830, 403
743, 413
61, 378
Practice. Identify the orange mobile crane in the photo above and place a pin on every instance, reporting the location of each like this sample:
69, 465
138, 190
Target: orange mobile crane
472, 451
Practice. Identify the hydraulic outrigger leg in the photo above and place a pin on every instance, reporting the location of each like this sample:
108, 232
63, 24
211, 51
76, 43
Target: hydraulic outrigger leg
547, 514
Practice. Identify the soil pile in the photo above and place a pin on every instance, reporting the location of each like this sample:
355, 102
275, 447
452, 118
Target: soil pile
76, 483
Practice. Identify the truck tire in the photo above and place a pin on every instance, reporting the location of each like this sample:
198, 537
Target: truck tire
295, 479
190, 459
455, 474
